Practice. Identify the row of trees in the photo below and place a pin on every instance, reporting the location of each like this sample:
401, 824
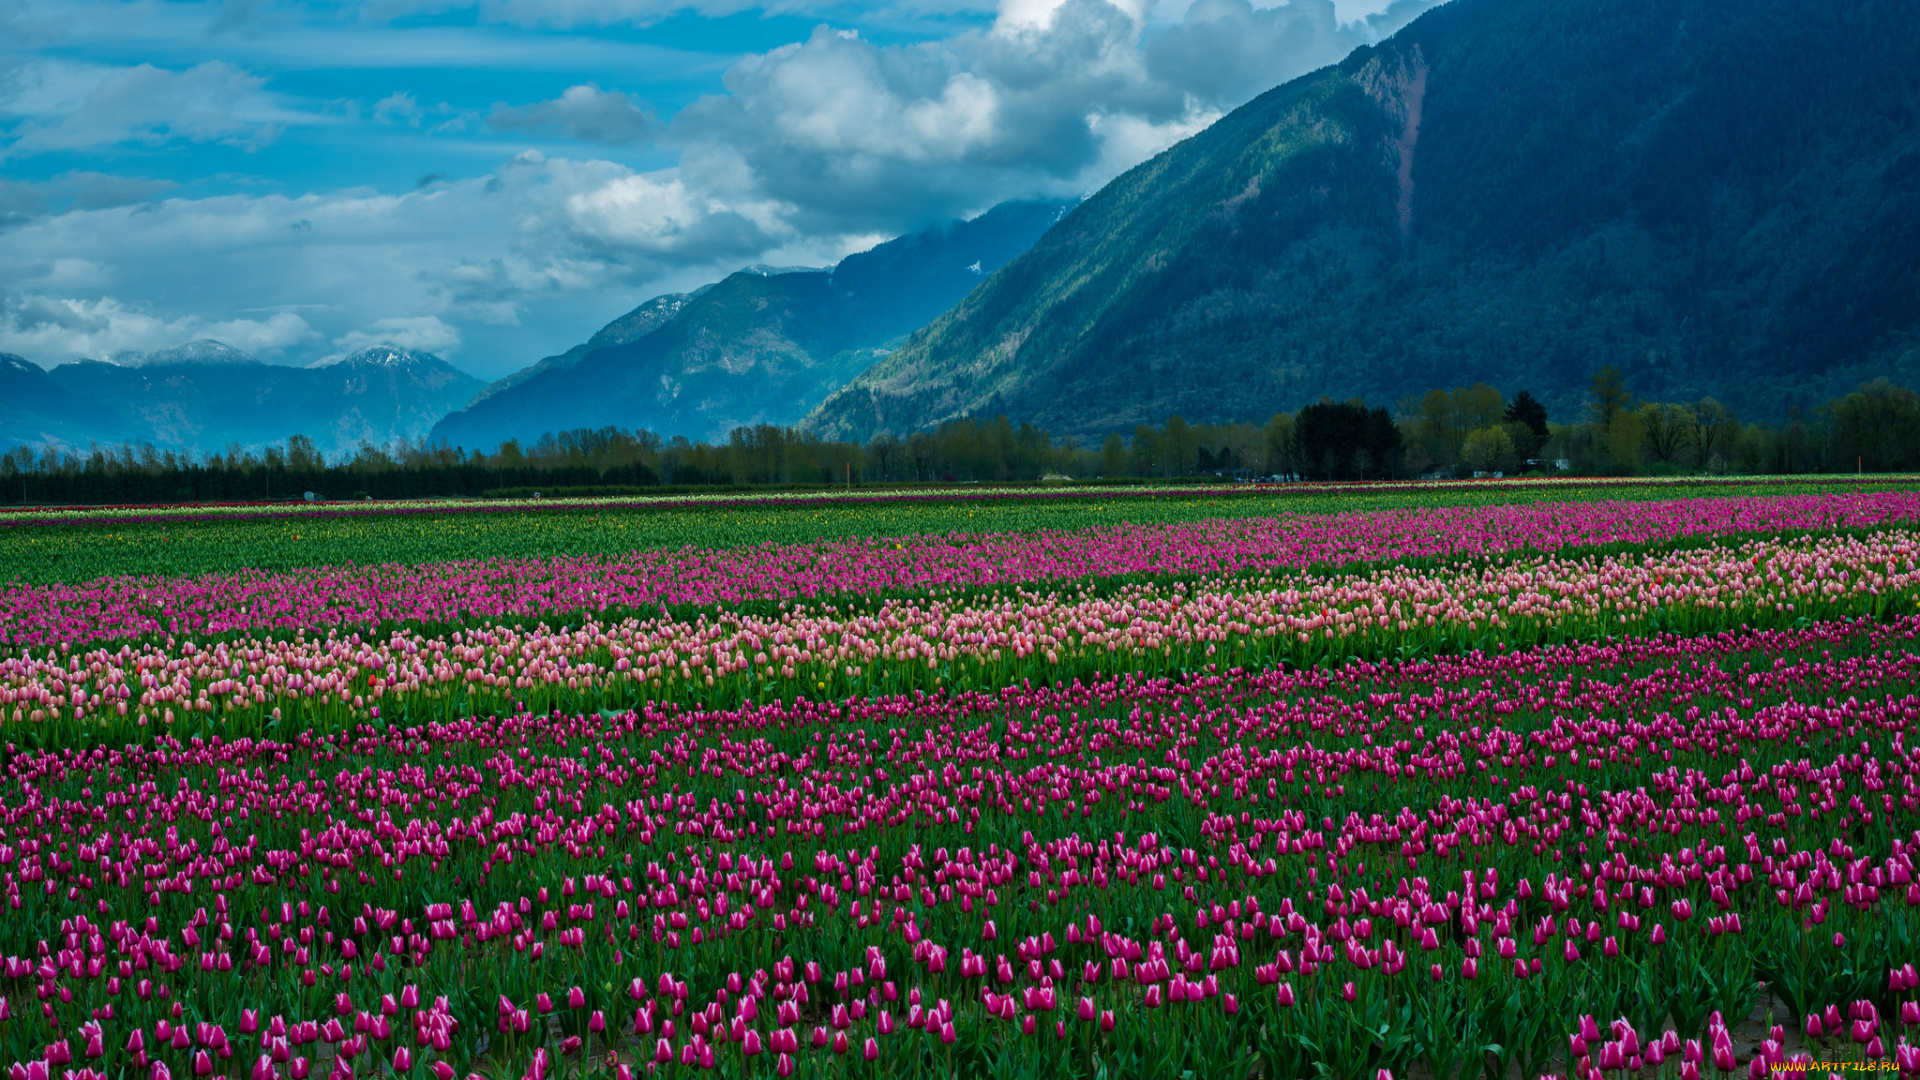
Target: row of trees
1460, 430
1874, 429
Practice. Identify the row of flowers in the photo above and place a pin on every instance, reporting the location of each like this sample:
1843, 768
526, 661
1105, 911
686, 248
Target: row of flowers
504, 589
1142, 876
252, 685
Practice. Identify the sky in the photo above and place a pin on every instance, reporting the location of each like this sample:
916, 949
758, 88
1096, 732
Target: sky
493, 180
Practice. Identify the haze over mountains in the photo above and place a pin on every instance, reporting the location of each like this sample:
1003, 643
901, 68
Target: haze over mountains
204, 395
1720, 197
761, 347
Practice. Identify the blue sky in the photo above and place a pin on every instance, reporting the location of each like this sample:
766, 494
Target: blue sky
493, 180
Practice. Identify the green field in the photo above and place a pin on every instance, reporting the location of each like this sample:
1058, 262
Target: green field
103, 544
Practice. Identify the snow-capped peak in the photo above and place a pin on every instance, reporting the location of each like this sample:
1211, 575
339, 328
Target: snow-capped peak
202, 351
383, 354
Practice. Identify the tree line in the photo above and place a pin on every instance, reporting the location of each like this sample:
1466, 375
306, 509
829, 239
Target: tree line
1455, 431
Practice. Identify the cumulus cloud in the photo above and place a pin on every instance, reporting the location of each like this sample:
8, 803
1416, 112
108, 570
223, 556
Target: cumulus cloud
416, 333
1228, 51
540, 251
662, 216
66, 106
1056, 97
53, 330
585, 112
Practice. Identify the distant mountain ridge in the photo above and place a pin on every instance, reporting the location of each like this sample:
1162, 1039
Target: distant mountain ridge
763, 346
635, 324
204, 395
1720, 197
34, 409
202, 351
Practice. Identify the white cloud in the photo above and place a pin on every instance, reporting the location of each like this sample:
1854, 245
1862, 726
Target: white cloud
585, 112
398, 107
548, 248
266, 338
69, 106
1056, 98
52, 330
417, 333
1227, 51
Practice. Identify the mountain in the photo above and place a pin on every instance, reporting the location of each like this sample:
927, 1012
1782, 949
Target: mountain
34, 409
204, 352
376, 395
762, 347
635, 324
204, 395
1717, 196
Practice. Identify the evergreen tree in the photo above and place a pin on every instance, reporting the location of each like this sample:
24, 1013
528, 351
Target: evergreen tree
1526, 409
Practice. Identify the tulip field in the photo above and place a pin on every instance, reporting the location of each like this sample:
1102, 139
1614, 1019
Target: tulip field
1539, 780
